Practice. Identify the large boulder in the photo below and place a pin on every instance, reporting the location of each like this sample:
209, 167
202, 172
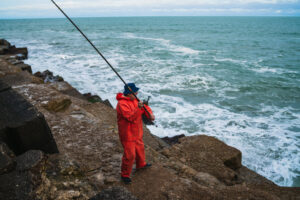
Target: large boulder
22, 127
209, 155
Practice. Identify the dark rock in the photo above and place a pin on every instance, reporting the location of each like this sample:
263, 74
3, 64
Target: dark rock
4, 86
172, 140
39, 75
22, 127
95, 98
29, 160
19, 185
6, 159
92, 98
47, 76
106, 102
6, 48
25, 67
114, 193
20, 57
4, 42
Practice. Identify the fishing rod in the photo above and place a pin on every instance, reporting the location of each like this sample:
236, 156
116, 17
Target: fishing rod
99, 54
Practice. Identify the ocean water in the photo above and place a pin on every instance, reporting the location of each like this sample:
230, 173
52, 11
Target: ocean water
234, 78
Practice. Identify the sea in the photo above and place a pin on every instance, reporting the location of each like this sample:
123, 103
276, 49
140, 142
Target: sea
233, 78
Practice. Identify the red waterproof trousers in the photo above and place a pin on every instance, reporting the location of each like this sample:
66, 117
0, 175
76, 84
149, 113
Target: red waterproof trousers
130, 127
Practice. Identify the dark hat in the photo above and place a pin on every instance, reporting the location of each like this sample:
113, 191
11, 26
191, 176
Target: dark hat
132, 87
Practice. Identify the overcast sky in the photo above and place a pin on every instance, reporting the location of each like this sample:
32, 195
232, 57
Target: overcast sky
99, 8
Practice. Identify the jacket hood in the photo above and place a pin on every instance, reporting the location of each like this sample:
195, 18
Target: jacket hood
120, 96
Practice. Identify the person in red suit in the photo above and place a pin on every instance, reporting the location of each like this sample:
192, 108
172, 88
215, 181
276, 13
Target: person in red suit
130, 125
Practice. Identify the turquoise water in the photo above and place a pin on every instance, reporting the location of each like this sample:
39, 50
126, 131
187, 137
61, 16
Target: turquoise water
235, 78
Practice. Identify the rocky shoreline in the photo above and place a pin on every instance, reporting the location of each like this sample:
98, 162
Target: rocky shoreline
56, 143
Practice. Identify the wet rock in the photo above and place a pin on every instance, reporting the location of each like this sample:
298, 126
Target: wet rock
114, 193
7, 163
29, 160
58, 105
20, 56
48, 76
22, 127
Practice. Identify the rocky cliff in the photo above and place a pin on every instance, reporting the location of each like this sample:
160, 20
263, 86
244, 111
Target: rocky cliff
88, 164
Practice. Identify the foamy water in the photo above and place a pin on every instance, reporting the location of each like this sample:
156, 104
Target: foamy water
244, 90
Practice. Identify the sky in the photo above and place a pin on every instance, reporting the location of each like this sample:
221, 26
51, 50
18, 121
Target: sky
108, 8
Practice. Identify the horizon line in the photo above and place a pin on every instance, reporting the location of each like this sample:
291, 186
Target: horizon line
20, 18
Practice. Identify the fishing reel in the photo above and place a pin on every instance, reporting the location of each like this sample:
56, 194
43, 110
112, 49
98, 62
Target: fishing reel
146, 120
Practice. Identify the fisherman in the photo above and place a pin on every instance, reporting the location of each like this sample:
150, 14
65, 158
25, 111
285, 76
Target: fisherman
130, 125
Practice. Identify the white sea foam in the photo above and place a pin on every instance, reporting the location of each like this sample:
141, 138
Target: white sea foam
241, 62
167, 44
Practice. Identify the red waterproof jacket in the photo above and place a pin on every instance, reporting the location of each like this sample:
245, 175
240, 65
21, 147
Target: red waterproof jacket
130, 122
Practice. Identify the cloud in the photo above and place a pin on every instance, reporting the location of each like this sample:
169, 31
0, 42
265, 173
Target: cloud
156, 7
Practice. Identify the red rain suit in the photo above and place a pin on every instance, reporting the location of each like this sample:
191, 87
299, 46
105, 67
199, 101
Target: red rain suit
130, 127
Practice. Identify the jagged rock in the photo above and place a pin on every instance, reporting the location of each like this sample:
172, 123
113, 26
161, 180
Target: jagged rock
29, 159
106, 102
172, 140
114, 193
47, 76
92, 98
22, 127
7, 48
58, 105
6, 159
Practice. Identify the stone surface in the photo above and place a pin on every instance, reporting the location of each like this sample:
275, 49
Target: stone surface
58, 105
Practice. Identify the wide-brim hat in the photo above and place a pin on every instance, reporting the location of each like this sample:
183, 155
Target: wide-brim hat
132, 87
